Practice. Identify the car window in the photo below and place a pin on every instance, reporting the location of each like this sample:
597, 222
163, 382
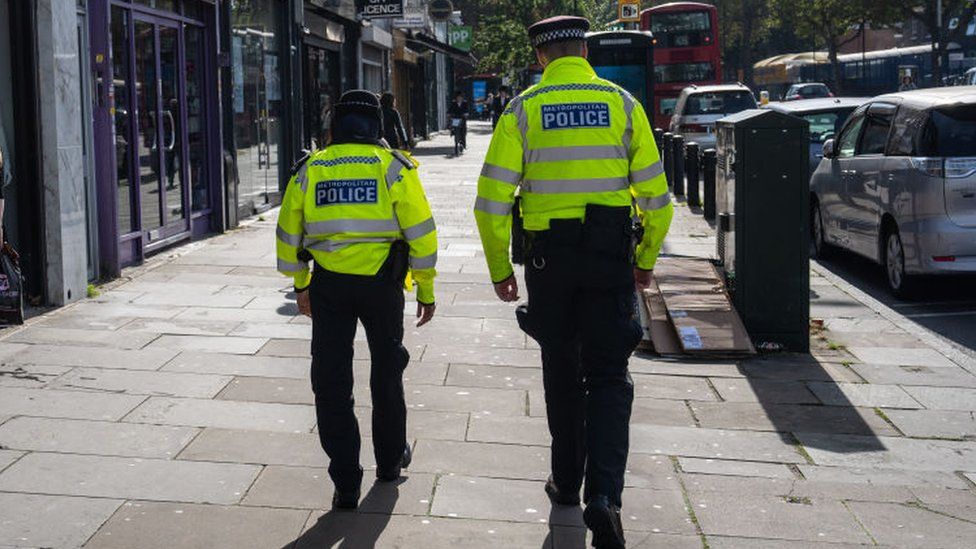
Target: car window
722, 103
826, 125
875, 136
905, 130
950, 132
847, 143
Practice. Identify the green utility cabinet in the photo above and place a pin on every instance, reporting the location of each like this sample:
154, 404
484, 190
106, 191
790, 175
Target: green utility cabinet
763, 204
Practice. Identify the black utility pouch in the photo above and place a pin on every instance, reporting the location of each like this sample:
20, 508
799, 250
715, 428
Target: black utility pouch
608, 230
398, 262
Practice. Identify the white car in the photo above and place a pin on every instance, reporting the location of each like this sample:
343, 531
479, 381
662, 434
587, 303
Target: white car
970, 77
699, 107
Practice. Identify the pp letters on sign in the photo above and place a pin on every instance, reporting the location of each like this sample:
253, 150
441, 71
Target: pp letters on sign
345, 191
575, 115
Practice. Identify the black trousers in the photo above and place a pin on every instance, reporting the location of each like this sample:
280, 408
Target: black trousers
338, 302
581, 311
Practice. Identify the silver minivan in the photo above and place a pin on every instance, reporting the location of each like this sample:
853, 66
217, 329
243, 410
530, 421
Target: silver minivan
898, 185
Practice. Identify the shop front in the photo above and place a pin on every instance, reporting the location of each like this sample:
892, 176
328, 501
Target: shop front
322, 81
155, 125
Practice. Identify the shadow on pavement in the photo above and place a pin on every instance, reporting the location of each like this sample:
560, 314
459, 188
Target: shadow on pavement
566, 529
354, 529
783, 384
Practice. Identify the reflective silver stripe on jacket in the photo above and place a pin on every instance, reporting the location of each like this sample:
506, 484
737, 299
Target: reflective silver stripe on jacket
518, 109
302, 177
504, 175
493, 207
393, 172
578, 152
336, 245
286, 267
647, 173
629, 113
654, 202
333, 226
419, 230
288, 238
556, 186
425, 262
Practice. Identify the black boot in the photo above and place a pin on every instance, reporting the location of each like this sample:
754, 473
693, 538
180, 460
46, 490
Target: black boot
560, 497
345, 499
391, 474
603, 519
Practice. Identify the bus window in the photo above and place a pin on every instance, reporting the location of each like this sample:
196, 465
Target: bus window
627, 67
684, 72
682, 29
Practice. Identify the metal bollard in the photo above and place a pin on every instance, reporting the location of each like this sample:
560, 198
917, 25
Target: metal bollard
658, 137
678, 142
693, 173
667, 157
709, 164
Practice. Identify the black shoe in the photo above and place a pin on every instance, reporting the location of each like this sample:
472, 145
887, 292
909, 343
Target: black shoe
559, 497
603, 518
393, 473
345, 499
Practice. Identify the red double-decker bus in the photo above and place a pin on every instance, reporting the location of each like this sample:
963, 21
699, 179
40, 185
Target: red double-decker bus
686, 51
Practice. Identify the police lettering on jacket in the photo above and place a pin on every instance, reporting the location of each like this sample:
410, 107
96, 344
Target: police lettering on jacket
345, 191
575, 115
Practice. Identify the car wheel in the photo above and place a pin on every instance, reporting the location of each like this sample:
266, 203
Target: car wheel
819, 249
894, 264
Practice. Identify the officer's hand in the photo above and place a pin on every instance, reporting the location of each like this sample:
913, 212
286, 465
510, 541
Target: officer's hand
507, 290
425, 313
304, 304
642, 279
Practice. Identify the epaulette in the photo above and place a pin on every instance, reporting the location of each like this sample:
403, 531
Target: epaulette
406, 161
300, 162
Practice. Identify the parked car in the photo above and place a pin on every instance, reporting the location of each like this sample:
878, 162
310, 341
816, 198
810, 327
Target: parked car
898, 185
813, 90
826, 117
969, 78
699, 107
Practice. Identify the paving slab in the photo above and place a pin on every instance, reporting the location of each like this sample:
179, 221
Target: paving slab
529, 431
7, 457
356, 530
790, 417
82, 338
796, 489
224, 413
888, 452
209, 344
425, 373
269, 389
125, 310
238, 365
863, 394
797, 369
466, 354
884, 477
311, 488
190, 300
129, 478
182, 327
735, 468
934, 423
30, 375
273, 330
774, 517
260, 447
234, 315
481, 459
651, 471
72, 355
940, 376
945, 398
142, 382
502, 402
94, 437
653, 411
67, 404
494, 377
9, 349
153, 525
724, 542
712, 443
651, 364
32, 520
673, 387
910, 526
85, 322
901, 356
764, 390
569, 537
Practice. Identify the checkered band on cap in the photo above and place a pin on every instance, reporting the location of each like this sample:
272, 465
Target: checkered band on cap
558, 35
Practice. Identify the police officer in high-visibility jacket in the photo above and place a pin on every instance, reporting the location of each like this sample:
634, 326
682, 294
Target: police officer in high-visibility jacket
580, 154
357, 209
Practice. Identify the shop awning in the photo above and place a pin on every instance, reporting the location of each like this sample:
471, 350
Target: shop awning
426, 42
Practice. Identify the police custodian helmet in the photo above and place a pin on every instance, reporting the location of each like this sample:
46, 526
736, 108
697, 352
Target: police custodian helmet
561, 28
358, 118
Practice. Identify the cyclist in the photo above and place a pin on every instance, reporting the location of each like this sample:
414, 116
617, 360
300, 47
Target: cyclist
458, 112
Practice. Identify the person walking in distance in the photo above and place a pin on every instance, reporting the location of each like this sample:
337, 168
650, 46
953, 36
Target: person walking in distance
357, 210
580, 153
499, 104
393, 132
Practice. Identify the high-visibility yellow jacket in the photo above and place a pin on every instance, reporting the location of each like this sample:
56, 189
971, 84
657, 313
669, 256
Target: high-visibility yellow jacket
346, 205
572, 139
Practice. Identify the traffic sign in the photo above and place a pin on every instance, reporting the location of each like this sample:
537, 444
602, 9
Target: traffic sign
628, 11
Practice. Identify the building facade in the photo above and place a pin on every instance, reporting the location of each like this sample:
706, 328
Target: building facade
144, 124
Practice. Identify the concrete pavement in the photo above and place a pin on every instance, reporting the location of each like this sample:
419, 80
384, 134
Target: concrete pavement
174, 410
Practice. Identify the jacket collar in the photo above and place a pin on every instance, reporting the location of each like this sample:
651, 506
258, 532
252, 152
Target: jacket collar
568, 68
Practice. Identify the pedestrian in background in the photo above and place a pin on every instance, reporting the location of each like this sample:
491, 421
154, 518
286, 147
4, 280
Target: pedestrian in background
357, 210
499, 104
393, 131
581, 263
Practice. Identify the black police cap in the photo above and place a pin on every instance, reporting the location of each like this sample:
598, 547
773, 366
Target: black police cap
358, 102
558, 29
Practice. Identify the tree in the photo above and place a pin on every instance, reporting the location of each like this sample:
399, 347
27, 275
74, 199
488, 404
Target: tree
926, 13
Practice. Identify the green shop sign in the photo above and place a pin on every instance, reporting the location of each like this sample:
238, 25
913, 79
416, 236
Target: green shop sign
460, 37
